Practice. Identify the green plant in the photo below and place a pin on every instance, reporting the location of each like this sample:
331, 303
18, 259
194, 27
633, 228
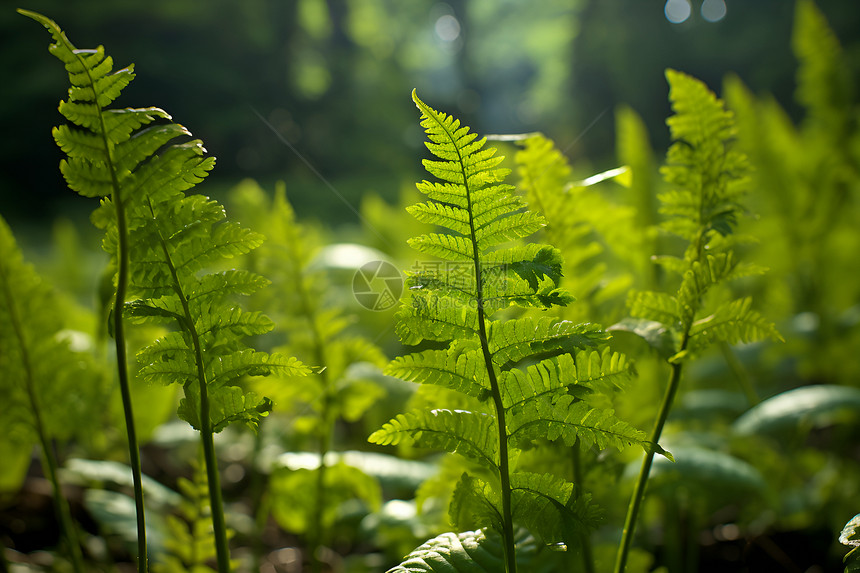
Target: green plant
161, 240
98, 166
808, 171
50, 391
526, 376
708, 180
190, 544
305, 500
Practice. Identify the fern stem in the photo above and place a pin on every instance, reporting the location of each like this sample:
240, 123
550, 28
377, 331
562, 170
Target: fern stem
645, 470
122, 372
576, 462
219, 526
49, 462
119, 335
504, 465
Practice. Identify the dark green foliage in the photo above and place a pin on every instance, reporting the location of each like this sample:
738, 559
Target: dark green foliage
531, 370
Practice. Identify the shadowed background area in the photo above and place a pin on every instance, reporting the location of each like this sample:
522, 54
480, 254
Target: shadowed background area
333, 78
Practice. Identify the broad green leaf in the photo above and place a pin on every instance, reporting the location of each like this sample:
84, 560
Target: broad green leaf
709, 474
805, 407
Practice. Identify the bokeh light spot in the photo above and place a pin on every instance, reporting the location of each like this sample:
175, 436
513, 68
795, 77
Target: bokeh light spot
714, 10
447, 28
677, 11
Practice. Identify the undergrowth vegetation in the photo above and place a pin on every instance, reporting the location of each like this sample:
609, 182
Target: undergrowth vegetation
651, 368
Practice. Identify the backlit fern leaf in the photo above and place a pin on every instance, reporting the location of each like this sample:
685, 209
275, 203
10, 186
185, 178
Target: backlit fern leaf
512, 364
461, 371
706, 175
538, 500
141, 162
50, 390
708, 179
470, 434
567, 419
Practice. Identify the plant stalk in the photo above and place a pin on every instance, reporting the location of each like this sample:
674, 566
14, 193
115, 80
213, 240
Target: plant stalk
587, 553
122, 373
119, 338
645, 470
219, 526
504, 464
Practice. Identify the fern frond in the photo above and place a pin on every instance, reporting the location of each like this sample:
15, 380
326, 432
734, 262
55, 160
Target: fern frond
472, 435
706, 175
516, 339
732, 322
823, 84
546, 378
552, 508
567, 419
431, 317
475, 504
461, 371
49, 390
657, 306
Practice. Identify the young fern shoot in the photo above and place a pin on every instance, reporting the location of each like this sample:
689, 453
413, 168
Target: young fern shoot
161, 241
525, 375
102, 158
708, 180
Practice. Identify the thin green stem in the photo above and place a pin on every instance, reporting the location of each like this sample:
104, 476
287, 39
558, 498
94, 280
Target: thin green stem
578, 476
645, 470
219, 526
49, 462
504, 464
119, 332
122, 373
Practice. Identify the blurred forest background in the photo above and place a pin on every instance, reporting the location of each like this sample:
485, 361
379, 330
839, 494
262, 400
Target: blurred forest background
332, 78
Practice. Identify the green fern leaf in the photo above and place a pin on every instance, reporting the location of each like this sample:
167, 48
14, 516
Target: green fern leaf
514, 340
487, 269
570, 420
49, 389
469, 434
461, 371
552, 508
657, 306
546, 378
732, 322
431, 317
707, 176
475, 504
